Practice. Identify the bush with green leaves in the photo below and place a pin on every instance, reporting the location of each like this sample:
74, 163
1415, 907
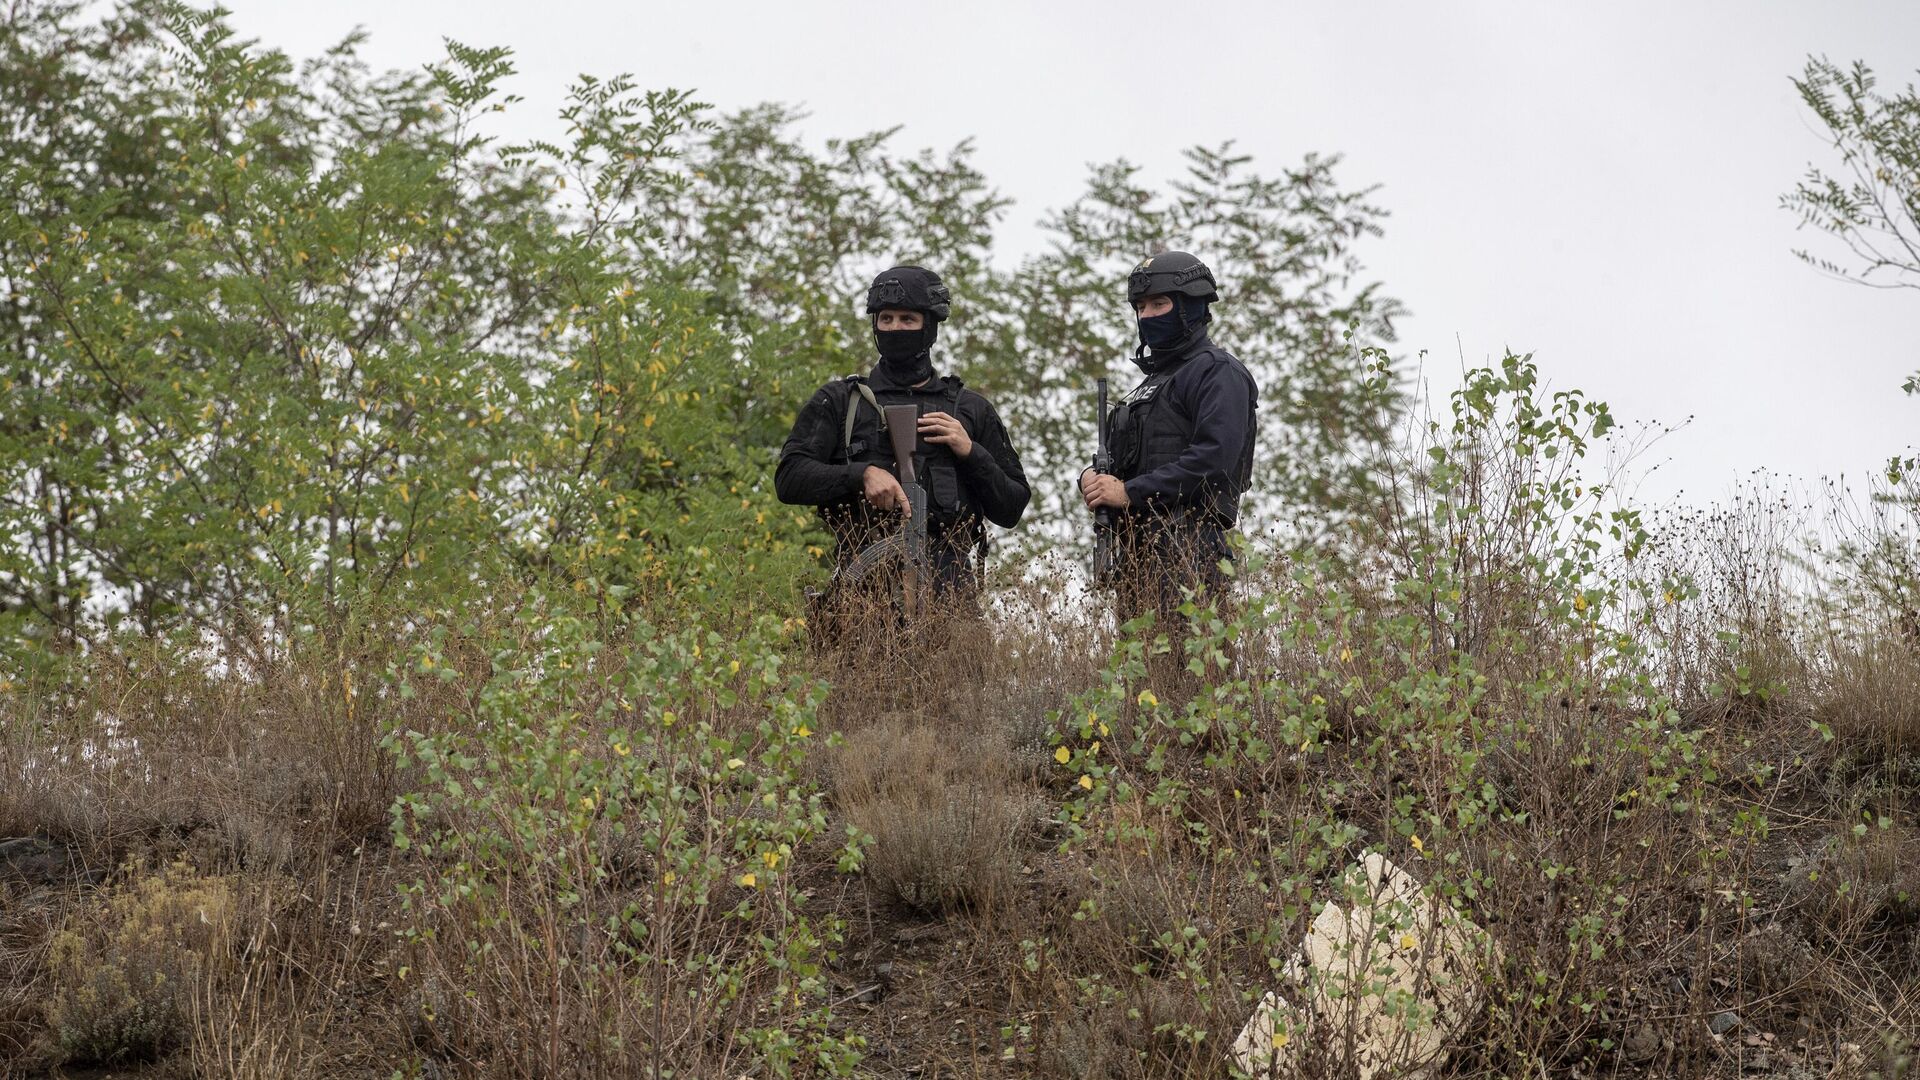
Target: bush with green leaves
1480, 712
606, 846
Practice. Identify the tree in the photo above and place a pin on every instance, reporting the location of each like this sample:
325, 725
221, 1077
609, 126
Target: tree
1871, 202
1293, 290
294, 347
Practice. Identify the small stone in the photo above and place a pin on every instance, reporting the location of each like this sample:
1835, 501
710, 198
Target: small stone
1723, 1023
22, 847
1641, 1045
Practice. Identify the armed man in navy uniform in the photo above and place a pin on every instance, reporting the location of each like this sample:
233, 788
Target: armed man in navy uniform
1182, 445
838, 459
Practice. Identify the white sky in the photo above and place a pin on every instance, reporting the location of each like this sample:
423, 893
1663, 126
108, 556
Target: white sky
1596, 183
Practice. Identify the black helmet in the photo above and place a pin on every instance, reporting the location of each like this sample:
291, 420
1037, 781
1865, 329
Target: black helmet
1171, 272
913, 288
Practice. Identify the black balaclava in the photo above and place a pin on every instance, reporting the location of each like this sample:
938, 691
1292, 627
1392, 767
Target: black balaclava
1169, 333
906, 356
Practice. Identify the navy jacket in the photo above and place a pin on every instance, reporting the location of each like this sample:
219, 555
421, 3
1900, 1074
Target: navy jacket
1183, 439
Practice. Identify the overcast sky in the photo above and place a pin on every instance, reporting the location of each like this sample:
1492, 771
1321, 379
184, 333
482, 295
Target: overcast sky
1596, 183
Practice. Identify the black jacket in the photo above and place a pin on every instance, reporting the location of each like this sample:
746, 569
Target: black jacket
817, 468
1183, 439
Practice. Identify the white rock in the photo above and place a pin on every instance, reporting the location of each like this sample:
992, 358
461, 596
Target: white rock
1386, 982
1268, 1045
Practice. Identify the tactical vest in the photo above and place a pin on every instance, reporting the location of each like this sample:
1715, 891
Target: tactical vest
864, 441
1146, 431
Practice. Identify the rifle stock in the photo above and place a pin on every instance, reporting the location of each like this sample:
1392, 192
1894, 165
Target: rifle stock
1103, 517
903, 431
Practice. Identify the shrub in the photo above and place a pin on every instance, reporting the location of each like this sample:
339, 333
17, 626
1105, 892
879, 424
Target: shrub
127, 969
945, 820
1482, 714
605, 856
1868, 700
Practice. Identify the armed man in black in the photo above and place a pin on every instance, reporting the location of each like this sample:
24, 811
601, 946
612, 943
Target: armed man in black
1182, 444
839, 459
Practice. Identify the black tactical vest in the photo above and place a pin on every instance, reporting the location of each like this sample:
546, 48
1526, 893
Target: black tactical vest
935, 464
1146, 431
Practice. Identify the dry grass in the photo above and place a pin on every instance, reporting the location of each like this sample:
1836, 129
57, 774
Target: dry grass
1003, 941
1869, 699
947, 821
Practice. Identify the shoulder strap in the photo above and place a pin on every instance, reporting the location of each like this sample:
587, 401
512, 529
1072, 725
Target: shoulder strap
853, 407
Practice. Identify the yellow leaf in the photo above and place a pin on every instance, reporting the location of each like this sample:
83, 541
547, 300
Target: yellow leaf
1417, 845
1346, 655
735, 763
748, 881
622, 749
1408, 941
771, 858
1147, 699
1063, 755
667, 878
802, 731
1087, 782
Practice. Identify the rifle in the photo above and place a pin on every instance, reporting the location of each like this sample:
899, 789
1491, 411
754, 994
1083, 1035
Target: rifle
905, 549
1103, 517
903, 430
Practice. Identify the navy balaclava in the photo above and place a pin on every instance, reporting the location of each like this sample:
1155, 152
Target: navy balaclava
1169, 333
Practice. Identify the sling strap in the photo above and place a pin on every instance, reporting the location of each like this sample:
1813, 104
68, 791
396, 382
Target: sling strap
853, 407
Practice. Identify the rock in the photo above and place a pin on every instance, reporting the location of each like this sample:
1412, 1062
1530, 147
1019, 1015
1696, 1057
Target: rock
865, 995
1723, 1023
1395, 974
1266, 1046
1641, 1045
38, 862
21, 847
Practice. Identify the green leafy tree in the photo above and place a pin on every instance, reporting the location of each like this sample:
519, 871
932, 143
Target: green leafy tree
252, 394
759, 248
1870, 201
289, 345
1293, 290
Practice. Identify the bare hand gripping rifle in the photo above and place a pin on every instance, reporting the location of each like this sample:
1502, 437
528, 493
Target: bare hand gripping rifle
906, 549
1103, 517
